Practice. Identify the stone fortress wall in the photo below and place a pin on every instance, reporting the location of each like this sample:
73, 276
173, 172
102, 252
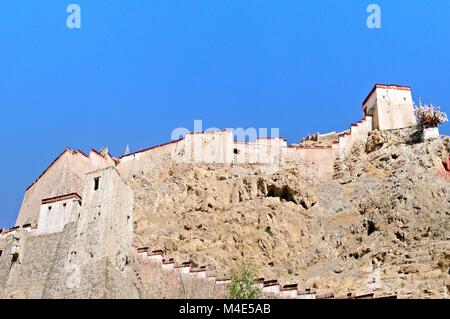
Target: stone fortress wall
79, 245
269, 287
386, 107
64, 176
88, 258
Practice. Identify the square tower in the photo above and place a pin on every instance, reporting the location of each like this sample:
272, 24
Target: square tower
391, 107
58, 211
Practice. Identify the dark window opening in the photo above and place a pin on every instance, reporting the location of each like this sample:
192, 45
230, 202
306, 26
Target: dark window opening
65, 204
49, 207
236, 151
15, 258
96, 183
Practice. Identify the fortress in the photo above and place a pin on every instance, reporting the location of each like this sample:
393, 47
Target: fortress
74, 233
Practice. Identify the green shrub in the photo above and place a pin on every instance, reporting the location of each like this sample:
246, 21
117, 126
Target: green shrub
244, 284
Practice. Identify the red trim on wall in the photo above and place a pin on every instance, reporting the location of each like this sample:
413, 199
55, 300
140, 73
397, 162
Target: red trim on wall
310, 147
271, 138
96, 152
83, 153
60, 198
289, 287
210, 132
151, 148
198, 270
386, 86
56, 159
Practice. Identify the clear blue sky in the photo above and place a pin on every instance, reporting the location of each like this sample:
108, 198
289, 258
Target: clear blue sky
138, 69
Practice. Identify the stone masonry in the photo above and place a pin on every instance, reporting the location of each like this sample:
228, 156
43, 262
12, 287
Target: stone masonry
76, 219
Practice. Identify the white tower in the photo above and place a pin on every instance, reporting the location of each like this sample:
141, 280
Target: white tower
390, 106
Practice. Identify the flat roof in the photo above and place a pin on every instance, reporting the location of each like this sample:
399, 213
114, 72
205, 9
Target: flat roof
386, 86
60, 198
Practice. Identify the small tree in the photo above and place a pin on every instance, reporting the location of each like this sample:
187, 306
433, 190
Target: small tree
429, 115
244, 284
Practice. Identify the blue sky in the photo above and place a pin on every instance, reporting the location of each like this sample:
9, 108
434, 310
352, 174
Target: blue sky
138, 69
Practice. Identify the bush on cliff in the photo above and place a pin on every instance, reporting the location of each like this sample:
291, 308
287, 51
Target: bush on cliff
244, 284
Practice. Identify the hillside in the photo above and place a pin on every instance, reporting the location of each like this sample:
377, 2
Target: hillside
382, 223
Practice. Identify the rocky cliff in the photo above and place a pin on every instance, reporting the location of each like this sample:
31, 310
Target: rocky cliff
381, 225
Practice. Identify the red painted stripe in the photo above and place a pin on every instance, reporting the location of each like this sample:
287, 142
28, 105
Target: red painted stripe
386, 86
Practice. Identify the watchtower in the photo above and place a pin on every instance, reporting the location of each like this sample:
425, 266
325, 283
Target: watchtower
390, 106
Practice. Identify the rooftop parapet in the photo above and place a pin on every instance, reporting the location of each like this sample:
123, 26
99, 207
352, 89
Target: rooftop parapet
61, 198
391, 107
386, 87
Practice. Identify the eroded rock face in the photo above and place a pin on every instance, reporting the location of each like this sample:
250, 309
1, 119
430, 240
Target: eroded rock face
381, 225
287, 186
218, 215
390, 228
375, 141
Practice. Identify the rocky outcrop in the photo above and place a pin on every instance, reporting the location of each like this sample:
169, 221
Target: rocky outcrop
381, 224
219, 215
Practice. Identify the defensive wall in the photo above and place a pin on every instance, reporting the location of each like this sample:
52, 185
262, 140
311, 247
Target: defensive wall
269, 287
86, 254
64, 175
77, 217
386, 107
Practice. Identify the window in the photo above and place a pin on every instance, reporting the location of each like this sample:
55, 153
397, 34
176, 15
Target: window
49, 207
15, 258
96, 183
65, 204
236, 151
